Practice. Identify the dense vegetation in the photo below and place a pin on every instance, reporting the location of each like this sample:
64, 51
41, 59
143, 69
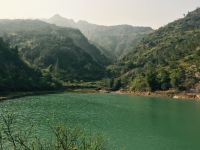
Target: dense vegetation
63, 52
167, 58
16, 75
113, 41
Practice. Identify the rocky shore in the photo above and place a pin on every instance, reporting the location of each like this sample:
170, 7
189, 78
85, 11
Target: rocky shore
170, 94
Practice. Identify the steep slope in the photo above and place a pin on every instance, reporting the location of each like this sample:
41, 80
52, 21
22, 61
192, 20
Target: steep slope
65, 52
116, 40
13, 26
15, 75
61, 21
167, 58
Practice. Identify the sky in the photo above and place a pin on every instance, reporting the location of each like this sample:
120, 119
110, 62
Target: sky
154, 13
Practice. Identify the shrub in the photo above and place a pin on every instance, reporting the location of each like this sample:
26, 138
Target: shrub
64, 138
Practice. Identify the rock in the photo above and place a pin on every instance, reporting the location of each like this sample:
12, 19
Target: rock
198, 96
176, 96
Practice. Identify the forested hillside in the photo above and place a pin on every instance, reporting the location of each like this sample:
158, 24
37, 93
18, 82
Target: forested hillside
114, 41
63, 52
16, 75
167, 58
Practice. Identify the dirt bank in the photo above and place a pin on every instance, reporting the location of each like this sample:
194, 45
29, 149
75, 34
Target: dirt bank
170, 94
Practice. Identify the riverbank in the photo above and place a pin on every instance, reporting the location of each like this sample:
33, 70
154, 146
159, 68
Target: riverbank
14, 95
168, 94
88, 87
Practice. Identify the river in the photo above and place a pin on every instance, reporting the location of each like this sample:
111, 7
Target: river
128, 122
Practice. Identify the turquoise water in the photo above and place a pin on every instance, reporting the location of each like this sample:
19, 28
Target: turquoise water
132, 123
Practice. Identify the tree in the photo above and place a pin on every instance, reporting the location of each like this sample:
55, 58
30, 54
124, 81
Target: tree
117, 84
151, 79
163, 79
139, 83
177, 77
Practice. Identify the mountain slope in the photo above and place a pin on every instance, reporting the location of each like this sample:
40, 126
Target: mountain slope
15, 75
167, 58
115, 40
13, 26
64, 52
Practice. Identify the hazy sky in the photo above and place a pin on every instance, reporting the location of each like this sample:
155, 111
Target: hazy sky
154, 13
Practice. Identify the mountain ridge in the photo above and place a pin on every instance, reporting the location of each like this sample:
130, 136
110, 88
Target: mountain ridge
116, 39
64, 52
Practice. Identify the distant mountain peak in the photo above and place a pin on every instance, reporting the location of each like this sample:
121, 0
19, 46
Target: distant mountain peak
83, 21
61, 21
57, 16
115, 39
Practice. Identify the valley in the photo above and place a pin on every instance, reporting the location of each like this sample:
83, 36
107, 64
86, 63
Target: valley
126, 76
165, 59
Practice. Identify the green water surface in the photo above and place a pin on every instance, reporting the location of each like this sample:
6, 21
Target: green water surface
128, 122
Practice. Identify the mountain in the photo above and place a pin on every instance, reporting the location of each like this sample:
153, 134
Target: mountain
16, 75
61, 21
64, 52
115, 40
167, 58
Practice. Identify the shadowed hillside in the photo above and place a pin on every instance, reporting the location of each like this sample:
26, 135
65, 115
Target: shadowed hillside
114, 41
16, 75
64, 52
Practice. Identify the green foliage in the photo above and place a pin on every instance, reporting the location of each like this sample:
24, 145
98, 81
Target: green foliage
139, 84
109, 83
166, 58
113, 83
65, 52
116, 40
151, 79
163, 79
113, 41
16, 75
117, 84
177, 77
